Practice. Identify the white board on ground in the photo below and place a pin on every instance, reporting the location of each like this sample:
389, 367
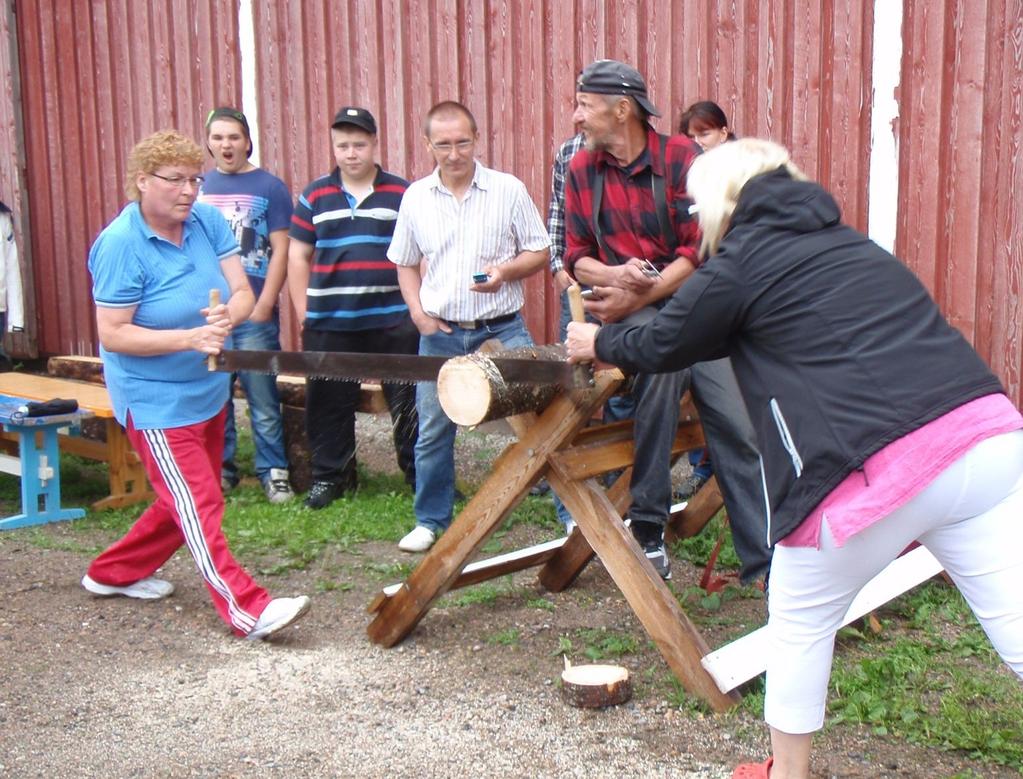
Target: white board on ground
746, 657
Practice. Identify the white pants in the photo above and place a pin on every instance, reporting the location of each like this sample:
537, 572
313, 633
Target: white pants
970, 518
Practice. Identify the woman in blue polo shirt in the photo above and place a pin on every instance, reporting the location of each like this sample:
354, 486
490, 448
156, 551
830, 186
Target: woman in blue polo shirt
153, 269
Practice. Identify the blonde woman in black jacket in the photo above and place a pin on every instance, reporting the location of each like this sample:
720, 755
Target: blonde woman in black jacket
878, 423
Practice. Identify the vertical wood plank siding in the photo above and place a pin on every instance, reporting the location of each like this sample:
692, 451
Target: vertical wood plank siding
960, 224
800, 76
12, 161
97, 76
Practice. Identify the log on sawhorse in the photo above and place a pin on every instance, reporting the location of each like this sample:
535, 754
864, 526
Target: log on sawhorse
556, 444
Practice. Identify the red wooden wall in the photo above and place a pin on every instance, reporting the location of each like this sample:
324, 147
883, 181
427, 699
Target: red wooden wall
94, 77
802, 78
960, 221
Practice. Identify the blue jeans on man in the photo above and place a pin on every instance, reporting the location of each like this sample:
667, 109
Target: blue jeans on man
435, 449
264, 406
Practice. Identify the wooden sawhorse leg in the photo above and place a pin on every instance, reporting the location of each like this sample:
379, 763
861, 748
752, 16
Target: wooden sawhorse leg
520, 466
586, 454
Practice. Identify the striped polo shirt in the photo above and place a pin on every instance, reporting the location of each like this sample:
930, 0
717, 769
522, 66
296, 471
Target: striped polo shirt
352, 285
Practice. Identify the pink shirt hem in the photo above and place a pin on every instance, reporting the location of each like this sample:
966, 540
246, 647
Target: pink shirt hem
893, 476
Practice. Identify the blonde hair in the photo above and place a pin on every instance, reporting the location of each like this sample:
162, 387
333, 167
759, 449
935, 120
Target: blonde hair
166, 147
716, 179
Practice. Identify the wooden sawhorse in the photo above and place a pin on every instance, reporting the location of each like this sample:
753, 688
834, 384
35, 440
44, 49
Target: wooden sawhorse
556, 444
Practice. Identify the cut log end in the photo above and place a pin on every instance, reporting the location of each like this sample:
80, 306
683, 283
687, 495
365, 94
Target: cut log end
596, 686
469, 389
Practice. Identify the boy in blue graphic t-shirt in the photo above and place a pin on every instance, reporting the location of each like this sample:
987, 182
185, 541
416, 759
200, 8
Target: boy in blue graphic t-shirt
257, 206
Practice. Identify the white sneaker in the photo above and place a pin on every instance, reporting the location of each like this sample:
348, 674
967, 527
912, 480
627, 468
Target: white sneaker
277, 487
278, 614
145, 589
418, 540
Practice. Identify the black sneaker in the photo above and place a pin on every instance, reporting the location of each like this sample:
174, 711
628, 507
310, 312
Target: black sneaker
322, 494
657, 554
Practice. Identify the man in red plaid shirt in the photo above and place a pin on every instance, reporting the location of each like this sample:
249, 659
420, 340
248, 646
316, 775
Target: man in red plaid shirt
636, 252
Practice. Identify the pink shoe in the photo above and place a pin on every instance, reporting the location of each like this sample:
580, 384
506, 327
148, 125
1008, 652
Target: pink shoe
754, 770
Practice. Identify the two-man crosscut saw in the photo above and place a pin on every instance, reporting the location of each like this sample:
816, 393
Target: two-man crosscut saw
401, 368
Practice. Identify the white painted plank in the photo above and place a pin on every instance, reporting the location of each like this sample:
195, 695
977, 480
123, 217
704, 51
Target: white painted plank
547, 546
746, 657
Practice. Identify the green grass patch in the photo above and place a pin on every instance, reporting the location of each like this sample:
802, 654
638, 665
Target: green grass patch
942, 686
507, 637
539, 602
603, 644
699, 548
678, 698
485, 594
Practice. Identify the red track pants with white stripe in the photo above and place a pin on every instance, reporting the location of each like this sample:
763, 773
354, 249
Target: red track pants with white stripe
183, 465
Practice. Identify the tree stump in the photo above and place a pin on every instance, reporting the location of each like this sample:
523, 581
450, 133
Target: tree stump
472, 390
595, 686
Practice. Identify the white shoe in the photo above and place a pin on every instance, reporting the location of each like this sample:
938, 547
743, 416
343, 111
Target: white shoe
278, 614
277, 487
145, 589
419, 540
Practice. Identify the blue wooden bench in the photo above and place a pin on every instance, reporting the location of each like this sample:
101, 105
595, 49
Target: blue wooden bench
38, 465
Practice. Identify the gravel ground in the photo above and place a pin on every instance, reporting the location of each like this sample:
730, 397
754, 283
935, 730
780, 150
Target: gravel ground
112, 687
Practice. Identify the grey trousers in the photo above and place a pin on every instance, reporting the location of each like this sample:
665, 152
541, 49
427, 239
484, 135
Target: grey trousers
733, 451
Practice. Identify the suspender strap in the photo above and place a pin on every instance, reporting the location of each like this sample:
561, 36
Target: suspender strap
661, 202
660, 206
610, 255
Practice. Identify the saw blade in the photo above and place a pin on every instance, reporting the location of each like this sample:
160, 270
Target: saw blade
400, 368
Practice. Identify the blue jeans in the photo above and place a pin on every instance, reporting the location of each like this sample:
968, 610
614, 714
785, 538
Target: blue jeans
435, 449
702, 465
264, 405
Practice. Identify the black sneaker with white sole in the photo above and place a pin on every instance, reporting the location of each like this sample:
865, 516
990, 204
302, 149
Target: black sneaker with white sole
657, 554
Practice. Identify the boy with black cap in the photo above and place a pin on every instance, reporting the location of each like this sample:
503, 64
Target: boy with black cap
257, 205
631, 237
345, 292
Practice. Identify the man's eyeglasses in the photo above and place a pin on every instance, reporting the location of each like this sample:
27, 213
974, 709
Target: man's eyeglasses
180, 181
445, 147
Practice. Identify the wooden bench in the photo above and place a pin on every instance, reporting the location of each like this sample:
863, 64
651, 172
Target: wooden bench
126, 475
37, 463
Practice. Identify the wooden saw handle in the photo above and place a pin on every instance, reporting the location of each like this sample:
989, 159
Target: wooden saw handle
575, 303
584, 370
211, 361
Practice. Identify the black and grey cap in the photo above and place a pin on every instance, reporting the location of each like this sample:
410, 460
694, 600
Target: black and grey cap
357, 117
226, 112
611, 77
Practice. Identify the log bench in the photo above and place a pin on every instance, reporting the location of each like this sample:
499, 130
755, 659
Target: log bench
292, 392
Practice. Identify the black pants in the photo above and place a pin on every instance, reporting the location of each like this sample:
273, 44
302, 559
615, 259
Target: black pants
730, 439
330, 405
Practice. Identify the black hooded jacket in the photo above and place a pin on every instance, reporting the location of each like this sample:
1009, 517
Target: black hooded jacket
838, 348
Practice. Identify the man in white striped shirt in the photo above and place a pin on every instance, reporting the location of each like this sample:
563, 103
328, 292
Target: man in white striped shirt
481, 235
